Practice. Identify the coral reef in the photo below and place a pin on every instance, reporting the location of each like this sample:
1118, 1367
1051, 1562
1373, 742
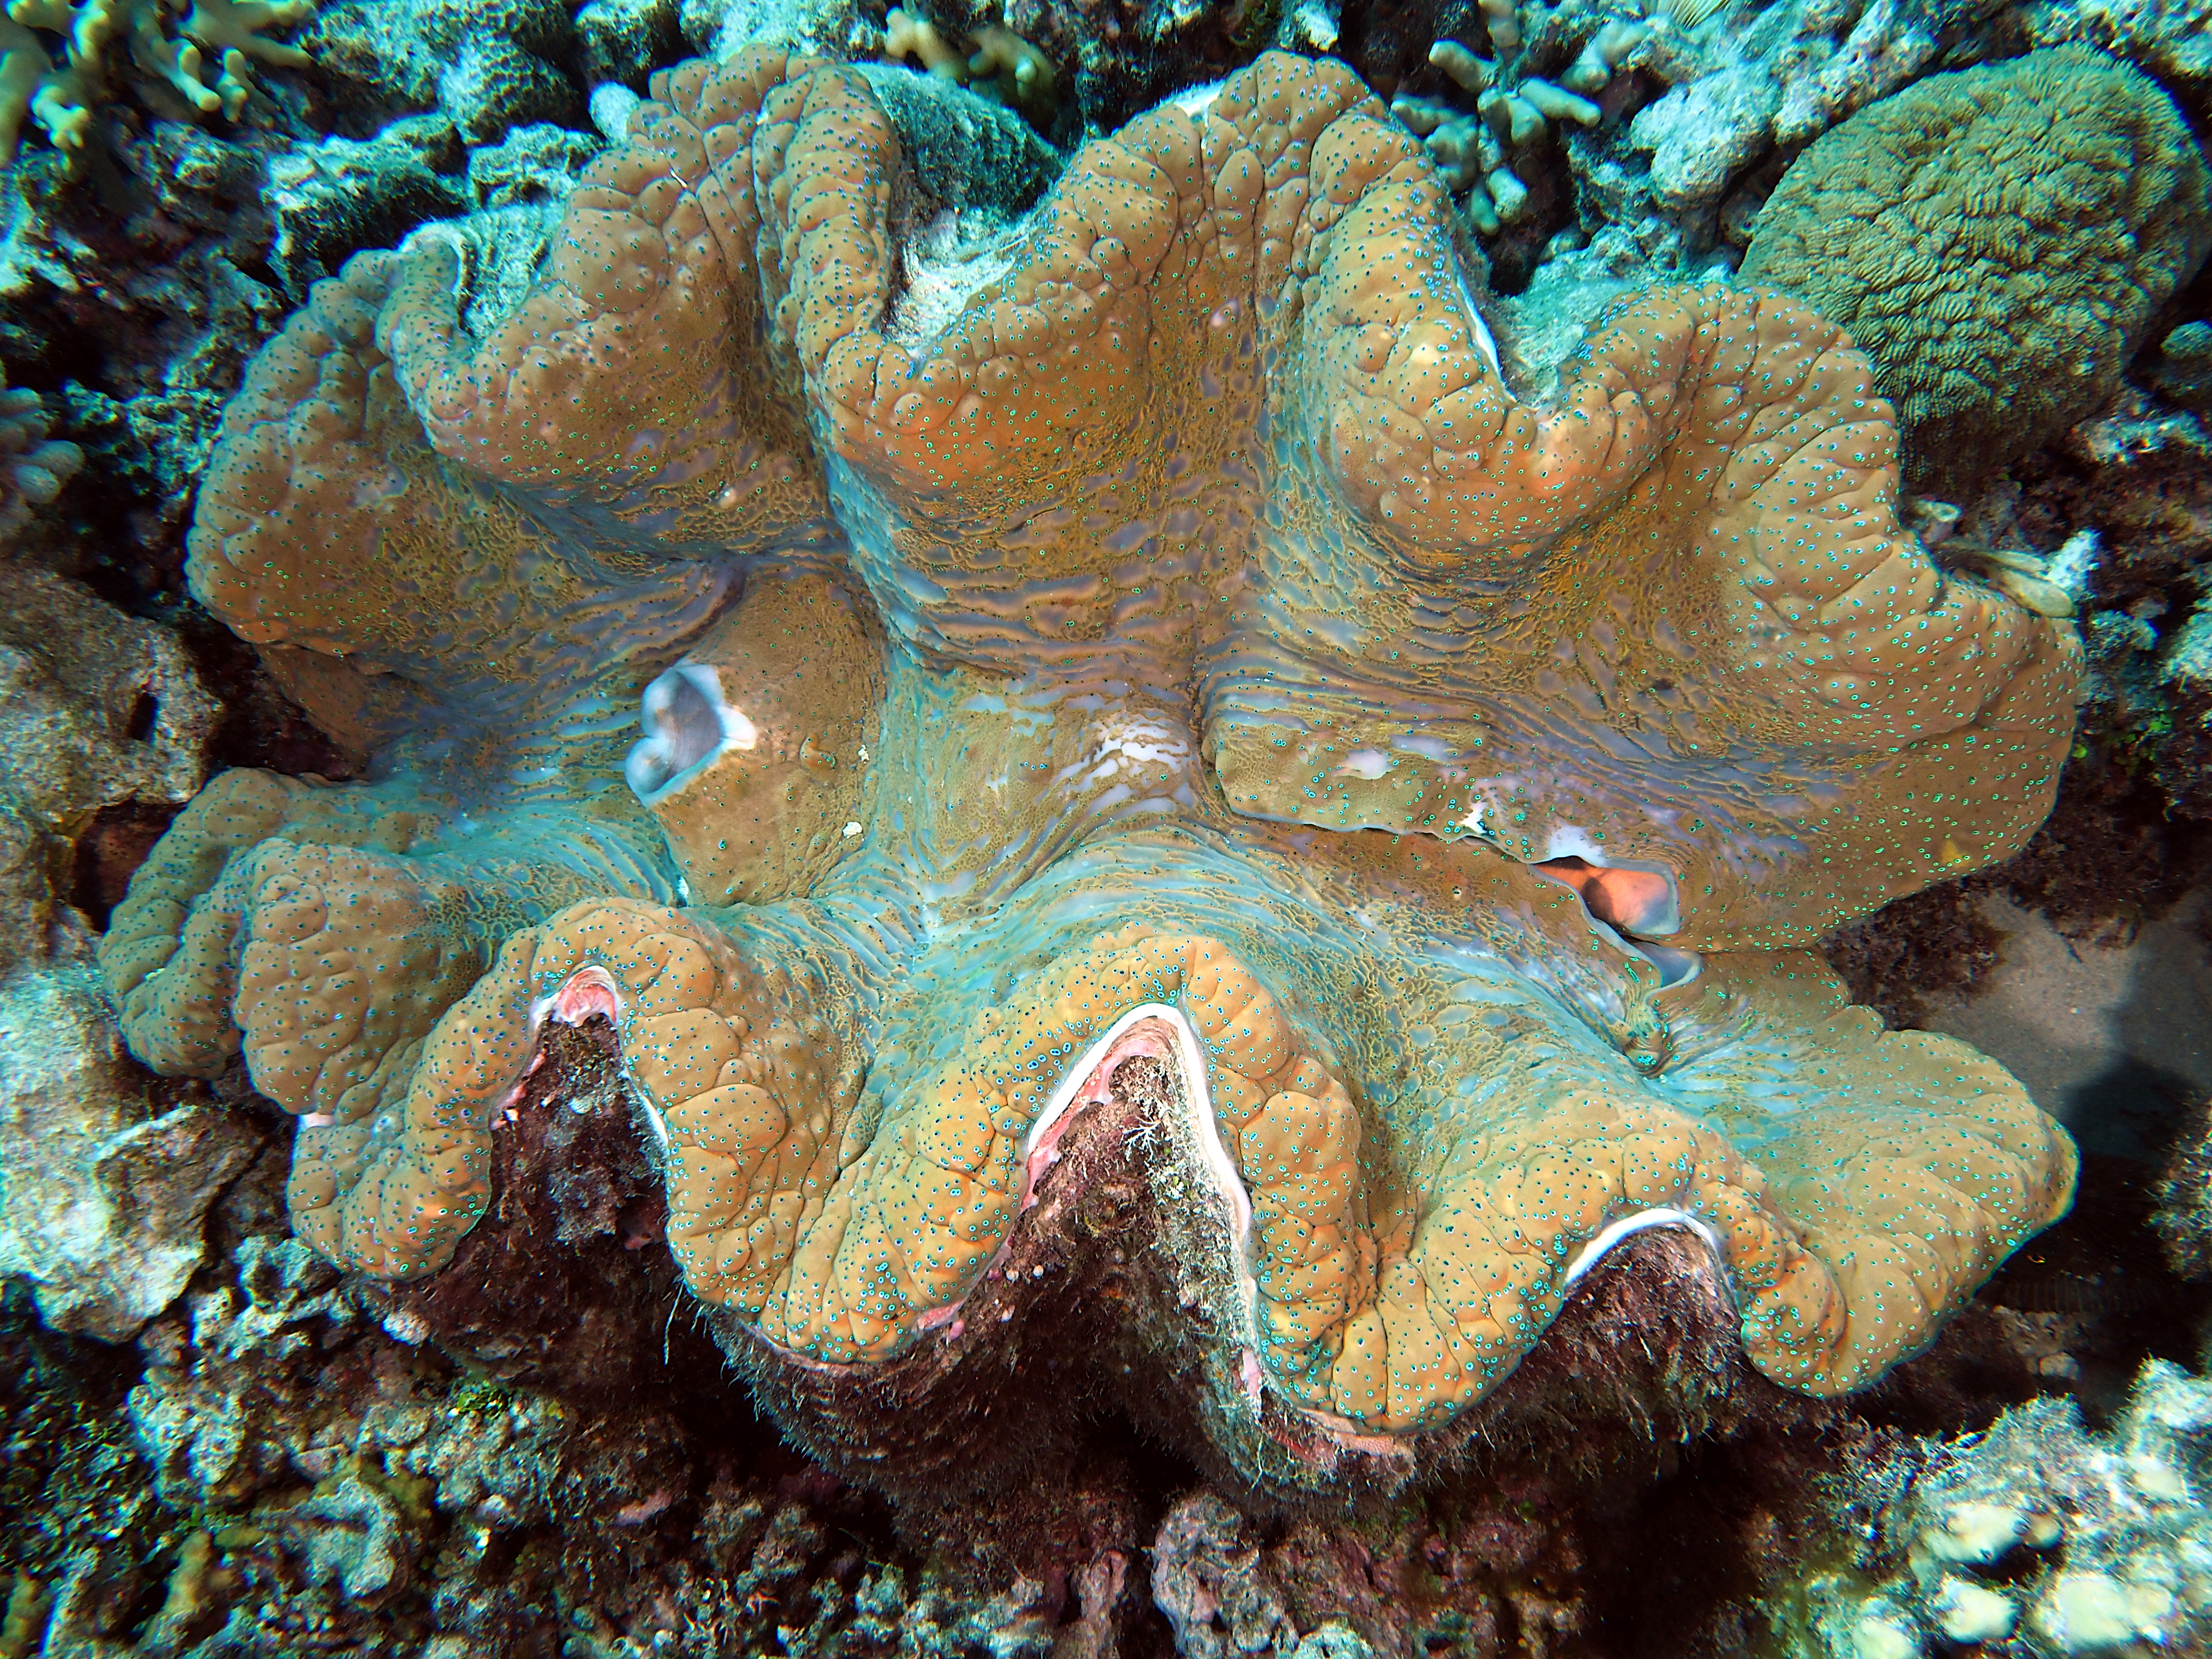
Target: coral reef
75, 1493
198, 64
329, 198
33, 466
1032, 899
620, 42
295, 1474
2122, 511
2150, 634
487, 65
1500, 1577
1073, 69
1783, 78
2169, 38
2039, 1534
135, 300
1512, 110
102, 1185
1652, 676
1995, 320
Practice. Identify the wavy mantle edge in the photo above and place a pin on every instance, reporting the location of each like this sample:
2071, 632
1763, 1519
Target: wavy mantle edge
1154, 1031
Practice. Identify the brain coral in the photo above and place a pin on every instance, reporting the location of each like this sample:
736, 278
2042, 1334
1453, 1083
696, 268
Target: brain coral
1178, 645
1998, 241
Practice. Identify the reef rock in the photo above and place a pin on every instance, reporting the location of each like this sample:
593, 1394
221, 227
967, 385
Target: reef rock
2039, 1536
1120, 675
487, 65
102, 1190
101, 1195
2169, 38
101, 709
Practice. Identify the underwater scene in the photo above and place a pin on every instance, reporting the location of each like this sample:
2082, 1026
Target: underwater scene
1048, 829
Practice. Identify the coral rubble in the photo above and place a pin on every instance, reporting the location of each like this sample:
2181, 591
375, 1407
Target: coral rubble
1147, 632
2039, 1536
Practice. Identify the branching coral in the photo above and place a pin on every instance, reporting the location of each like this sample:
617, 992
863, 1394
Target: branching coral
1004, 67
1512, 110
1186, 651
1999, 241
198, 64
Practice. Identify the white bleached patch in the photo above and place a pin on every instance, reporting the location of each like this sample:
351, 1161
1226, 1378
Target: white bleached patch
1135, 758
1195, 101
1484, 342
2073, 563
949, 260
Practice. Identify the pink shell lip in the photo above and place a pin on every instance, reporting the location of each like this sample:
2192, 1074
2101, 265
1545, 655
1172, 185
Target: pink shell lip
1154, 1031
1161, 1032
1250, 1377
1341, 1435
590, 990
